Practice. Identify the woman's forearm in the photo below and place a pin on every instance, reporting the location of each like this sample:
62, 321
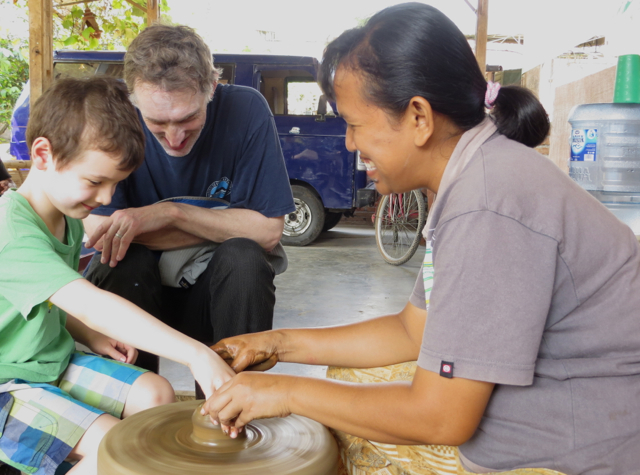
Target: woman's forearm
428, 410
377, 342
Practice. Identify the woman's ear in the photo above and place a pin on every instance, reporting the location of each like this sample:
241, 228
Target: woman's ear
41, 153
420, 114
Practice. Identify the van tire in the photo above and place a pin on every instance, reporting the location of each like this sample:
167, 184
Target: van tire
331, 219
304, 225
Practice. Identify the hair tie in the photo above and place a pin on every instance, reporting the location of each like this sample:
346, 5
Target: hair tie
492, 93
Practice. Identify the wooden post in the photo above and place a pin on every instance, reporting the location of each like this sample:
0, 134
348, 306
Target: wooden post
153, 11
481, 34
40, 47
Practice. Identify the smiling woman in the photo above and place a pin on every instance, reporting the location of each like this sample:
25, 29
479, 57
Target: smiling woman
514, 364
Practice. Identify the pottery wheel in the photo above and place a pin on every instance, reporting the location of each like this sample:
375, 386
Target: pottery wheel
165, 441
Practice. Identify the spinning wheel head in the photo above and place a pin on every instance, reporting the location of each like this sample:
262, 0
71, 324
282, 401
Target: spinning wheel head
176, 439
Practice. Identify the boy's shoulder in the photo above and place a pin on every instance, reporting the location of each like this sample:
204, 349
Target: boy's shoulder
20, 221
17, 216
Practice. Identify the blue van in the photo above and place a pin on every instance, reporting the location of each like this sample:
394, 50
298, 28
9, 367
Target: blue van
327, 180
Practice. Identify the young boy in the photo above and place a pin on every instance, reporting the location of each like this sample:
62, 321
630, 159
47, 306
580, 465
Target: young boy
57, 403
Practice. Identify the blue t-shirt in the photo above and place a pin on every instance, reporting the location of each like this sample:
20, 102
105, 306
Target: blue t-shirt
236, 158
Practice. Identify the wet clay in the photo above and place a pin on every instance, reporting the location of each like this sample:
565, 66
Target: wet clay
176, 439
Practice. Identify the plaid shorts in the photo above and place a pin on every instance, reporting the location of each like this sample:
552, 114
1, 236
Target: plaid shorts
41, 423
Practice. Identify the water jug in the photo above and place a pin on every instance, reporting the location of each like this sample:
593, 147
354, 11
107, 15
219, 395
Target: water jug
605, 146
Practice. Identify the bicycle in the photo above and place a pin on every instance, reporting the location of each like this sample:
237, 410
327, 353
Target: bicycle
399, 220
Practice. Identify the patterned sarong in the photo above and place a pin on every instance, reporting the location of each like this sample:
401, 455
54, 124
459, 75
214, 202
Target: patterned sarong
364, 457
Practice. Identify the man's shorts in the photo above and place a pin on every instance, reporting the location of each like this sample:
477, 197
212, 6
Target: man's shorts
41, 423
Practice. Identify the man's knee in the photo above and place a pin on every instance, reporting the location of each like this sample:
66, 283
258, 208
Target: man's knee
136, 278
138, 263
240, 255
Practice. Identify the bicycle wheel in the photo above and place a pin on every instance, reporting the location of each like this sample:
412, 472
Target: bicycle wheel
399, 222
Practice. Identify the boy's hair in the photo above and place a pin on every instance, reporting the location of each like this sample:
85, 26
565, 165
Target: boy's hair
172, 58
76, 115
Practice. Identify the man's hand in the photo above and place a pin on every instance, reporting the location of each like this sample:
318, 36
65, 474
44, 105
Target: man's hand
114, 234
253, 351
250, 396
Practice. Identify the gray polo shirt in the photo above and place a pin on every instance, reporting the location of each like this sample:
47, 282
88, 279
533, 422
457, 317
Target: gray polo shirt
537, 289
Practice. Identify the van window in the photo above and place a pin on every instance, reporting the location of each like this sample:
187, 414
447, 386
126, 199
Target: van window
87, 69
291, 92
228, 75
302, 96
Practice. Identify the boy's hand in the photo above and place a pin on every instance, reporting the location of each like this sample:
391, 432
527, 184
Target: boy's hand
99, 343
103, 345
210, 371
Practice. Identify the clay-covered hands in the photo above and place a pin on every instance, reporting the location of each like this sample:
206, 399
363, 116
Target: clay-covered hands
114, 235
250, 396
251, 352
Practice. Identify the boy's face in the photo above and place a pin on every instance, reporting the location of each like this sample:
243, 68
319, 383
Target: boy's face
84, 184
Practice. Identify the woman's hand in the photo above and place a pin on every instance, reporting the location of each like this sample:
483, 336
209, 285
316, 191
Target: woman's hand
103, 345
253, 351
250, 396
210, 371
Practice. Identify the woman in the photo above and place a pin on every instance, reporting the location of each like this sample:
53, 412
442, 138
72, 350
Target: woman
529, 355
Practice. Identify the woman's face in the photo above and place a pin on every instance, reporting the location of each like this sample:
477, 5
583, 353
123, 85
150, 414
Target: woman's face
386, 145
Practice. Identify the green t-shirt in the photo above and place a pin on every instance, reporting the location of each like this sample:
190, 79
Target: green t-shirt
34, 264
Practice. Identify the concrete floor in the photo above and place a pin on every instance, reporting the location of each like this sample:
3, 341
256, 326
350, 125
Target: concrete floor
340, 278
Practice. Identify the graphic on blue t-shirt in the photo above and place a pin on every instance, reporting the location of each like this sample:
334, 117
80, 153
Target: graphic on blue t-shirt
220, 188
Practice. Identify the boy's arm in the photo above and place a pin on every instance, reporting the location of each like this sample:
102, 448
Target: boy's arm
120, 319
99, 343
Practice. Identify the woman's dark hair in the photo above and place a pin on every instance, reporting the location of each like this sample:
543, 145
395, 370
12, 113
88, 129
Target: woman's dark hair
413, 49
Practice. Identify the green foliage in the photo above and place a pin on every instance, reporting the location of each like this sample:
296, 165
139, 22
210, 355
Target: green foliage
119, 23
14, 72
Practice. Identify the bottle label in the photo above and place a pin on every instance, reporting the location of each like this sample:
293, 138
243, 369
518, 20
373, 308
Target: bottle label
583, 145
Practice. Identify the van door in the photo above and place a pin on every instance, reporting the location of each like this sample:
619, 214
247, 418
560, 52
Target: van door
313, 145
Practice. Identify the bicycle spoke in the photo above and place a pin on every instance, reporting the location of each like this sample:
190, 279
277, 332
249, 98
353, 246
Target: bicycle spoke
398, 226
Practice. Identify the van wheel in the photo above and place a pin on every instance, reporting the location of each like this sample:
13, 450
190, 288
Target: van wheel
304, 225
331, 219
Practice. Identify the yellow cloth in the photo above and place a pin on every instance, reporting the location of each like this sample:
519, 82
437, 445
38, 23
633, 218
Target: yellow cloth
363, 457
